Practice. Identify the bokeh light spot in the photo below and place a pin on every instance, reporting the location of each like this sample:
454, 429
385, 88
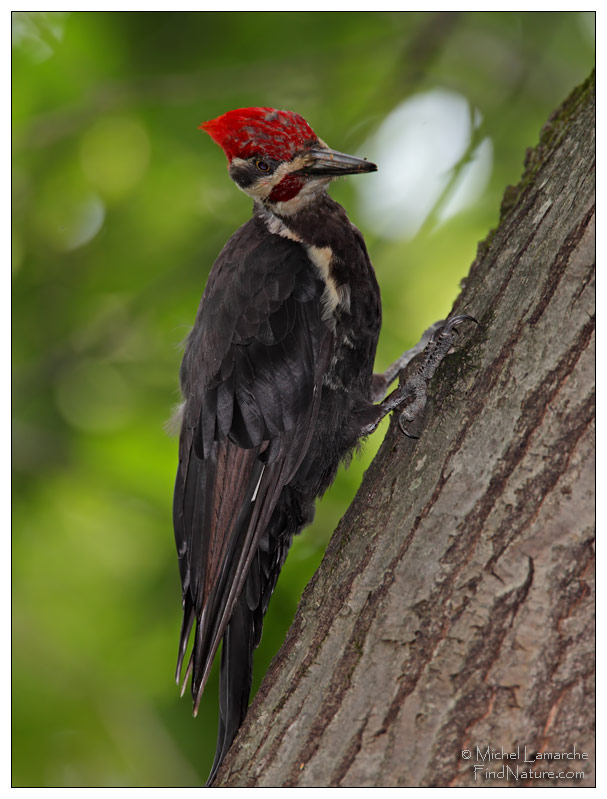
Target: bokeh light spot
115, 155
417, 149
68, 215
470, 182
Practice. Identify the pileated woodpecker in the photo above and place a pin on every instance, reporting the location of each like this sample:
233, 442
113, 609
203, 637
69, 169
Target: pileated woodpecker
278, 388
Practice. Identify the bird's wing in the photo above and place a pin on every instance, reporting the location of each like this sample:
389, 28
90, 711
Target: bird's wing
252, 378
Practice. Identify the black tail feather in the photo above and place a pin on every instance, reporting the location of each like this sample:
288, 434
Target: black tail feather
235, 677
243, 633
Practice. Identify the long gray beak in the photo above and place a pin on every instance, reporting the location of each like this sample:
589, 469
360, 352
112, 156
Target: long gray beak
332, 163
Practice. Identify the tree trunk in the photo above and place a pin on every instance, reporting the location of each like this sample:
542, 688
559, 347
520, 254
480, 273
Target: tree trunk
451, 620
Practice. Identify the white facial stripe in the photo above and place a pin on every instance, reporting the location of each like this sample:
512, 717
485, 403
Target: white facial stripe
263, 186
238, 162
289, 166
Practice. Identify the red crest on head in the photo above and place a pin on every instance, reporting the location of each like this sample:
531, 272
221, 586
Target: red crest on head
250, 131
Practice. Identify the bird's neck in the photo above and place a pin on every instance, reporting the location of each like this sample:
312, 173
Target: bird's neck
315, 223
310, 193
324, 230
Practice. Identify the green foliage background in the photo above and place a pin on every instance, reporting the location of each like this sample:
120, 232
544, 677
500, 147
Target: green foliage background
105, 112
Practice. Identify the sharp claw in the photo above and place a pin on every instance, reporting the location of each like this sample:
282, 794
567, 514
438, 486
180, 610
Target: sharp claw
439, 345
450, 327
401, 424
455, 321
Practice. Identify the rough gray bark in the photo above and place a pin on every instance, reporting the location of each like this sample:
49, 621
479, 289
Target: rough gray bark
454, 606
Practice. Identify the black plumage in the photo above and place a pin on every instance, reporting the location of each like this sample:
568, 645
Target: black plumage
278, 388
253, 375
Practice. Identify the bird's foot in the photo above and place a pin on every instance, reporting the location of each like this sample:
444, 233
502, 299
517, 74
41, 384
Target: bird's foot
412, 394
410, 397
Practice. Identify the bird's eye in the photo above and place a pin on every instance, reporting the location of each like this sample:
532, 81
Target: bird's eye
263, 166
